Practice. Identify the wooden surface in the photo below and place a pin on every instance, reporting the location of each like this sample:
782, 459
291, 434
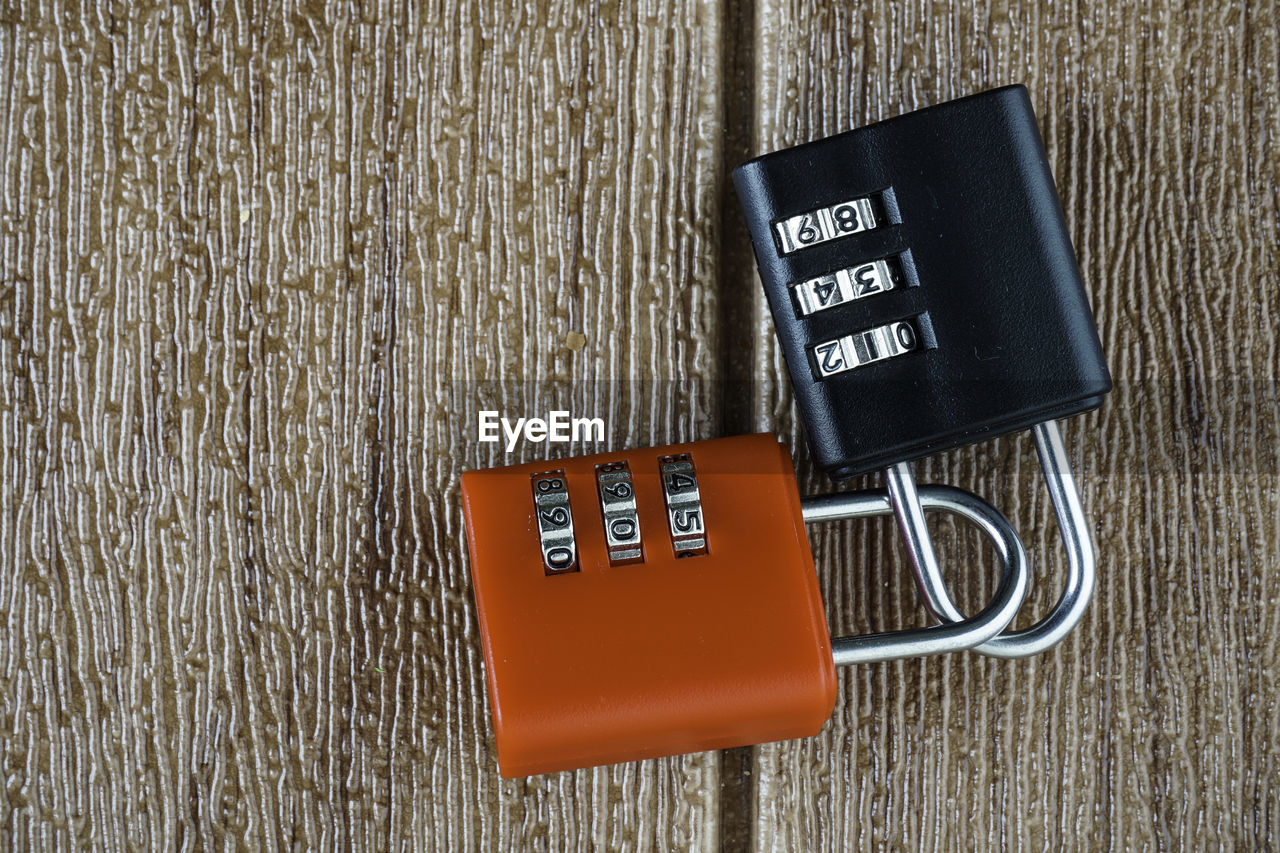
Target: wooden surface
260, 269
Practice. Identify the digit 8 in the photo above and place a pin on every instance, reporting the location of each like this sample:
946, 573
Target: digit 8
846, 218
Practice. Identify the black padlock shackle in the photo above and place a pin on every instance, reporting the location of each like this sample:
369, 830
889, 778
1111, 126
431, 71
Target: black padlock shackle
953, 635
926, 295
909, 505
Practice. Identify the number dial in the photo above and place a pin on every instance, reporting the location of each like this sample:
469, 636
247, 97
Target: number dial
826, 223
555, 522
618, 507
865, 347
846, 285
684, 505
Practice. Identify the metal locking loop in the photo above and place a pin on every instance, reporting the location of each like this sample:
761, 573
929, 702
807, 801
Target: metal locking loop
951, 636
909, 504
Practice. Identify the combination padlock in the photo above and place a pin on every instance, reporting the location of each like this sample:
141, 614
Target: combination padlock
926, 296
660, 601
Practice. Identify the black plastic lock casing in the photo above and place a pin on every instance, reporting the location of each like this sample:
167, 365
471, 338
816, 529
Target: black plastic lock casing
1007, 339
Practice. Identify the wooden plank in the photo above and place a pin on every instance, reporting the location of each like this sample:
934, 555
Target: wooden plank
1151, 725
124, 481
260, 273
536, 202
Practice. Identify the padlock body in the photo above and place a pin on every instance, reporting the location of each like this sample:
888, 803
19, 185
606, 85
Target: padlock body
609, 661
923, 283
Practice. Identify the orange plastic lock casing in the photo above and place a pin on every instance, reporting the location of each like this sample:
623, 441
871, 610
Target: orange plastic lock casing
615, 663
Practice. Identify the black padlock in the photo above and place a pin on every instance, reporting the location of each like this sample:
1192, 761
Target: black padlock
927, 296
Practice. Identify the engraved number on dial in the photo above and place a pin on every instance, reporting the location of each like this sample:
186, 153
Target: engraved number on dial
826, 223
618, 509
555, 523
684, 505
846, 285
865, 347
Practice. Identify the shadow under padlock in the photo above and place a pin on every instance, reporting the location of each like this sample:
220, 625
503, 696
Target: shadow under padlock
659, 601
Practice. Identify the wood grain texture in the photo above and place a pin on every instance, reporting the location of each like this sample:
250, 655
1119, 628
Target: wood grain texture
260, 273
261, 267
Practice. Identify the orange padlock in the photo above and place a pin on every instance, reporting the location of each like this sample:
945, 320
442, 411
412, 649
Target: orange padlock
594, 658
660, 601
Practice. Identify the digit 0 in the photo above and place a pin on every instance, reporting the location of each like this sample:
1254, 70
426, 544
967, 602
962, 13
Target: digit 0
559, 558
906, 336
